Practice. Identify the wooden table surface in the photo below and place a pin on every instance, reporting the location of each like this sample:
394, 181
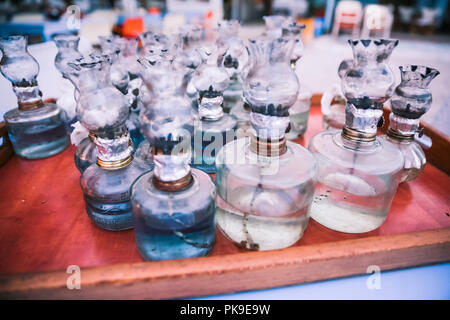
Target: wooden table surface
44, 226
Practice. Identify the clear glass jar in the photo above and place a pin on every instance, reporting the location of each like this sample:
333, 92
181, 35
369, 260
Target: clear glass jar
36, 129
173, 206
411, 99
89, 70
129, 55
154, 67
358, 172
194, 38
103, 110
299, 113
292, 30
415, 159
174, 225
233, 57
118, 72
107, 194
214, 128
274, 25
67, 45
356, 183
161, 44
265, 184
124, 75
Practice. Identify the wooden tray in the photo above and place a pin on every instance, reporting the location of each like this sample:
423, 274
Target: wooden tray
44, 229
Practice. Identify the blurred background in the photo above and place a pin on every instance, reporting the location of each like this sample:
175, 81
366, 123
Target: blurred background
422, 26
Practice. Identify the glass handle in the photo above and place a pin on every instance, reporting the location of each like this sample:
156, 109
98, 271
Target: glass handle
423, 140
328, 97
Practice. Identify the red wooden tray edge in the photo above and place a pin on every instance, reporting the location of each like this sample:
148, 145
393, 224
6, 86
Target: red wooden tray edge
235, 272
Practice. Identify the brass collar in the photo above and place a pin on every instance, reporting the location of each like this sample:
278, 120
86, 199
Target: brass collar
396, 135
27, 106
112, 165
173, 186
355, 135
268, 148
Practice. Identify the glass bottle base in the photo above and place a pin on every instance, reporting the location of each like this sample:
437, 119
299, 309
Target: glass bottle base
155, 244
41, 150
113, 217
174, 225
343, 212
263, 202
107, 194
38, 133
259, 233
415, 159
356, 183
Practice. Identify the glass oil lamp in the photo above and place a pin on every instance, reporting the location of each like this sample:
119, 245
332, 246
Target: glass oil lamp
265, 184
154, 68
103, 110
124, 76
128, 58
118, 72
167, 47
411, 99
215, 127
36, 129
299, 112
233, 57
162, 53
86, 151
159, 43
193, 38
274, 25
174, 205
293, 30
359, 172
67, 45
